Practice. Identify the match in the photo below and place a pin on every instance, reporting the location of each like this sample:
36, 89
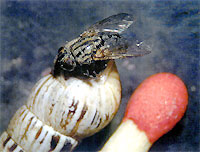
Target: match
154, 108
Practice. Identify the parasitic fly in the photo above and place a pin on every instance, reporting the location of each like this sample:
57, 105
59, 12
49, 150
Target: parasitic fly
88, 55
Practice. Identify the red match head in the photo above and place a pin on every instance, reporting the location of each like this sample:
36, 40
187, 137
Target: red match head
158, 104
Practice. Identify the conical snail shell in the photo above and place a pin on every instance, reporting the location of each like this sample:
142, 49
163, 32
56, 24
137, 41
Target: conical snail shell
61, 112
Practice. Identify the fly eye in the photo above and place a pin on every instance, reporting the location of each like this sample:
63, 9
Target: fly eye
68, 65
60, 49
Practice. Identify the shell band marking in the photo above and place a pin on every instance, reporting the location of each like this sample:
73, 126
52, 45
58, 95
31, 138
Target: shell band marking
39, 88
54, 142
5, 142
38, 133
8, 144
94, 117
12, 148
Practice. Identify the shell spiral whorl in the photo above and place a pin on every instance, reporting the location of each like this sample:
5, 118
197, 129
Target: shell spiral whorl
61, 112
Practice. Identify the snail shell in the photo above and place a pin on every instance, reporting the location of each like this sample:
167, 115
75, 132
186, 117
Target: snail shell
60, 112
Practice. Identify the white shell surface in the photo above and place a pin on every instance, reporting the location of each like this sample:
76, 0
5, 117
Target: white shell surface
77, 107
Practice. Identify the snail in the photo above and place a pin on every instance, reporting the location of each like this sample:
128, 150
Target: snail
80, 96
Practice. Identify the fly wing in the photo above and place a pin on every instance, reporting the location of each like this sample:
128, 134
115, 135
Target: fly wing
123, 46
114, 24
117, 41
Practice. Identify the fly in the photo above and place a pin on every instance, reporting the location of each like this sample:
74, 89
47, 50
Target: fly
88, 55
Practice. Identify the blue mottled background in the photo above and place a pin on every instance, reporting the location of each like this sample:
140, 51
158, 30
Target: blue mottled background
32, 31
